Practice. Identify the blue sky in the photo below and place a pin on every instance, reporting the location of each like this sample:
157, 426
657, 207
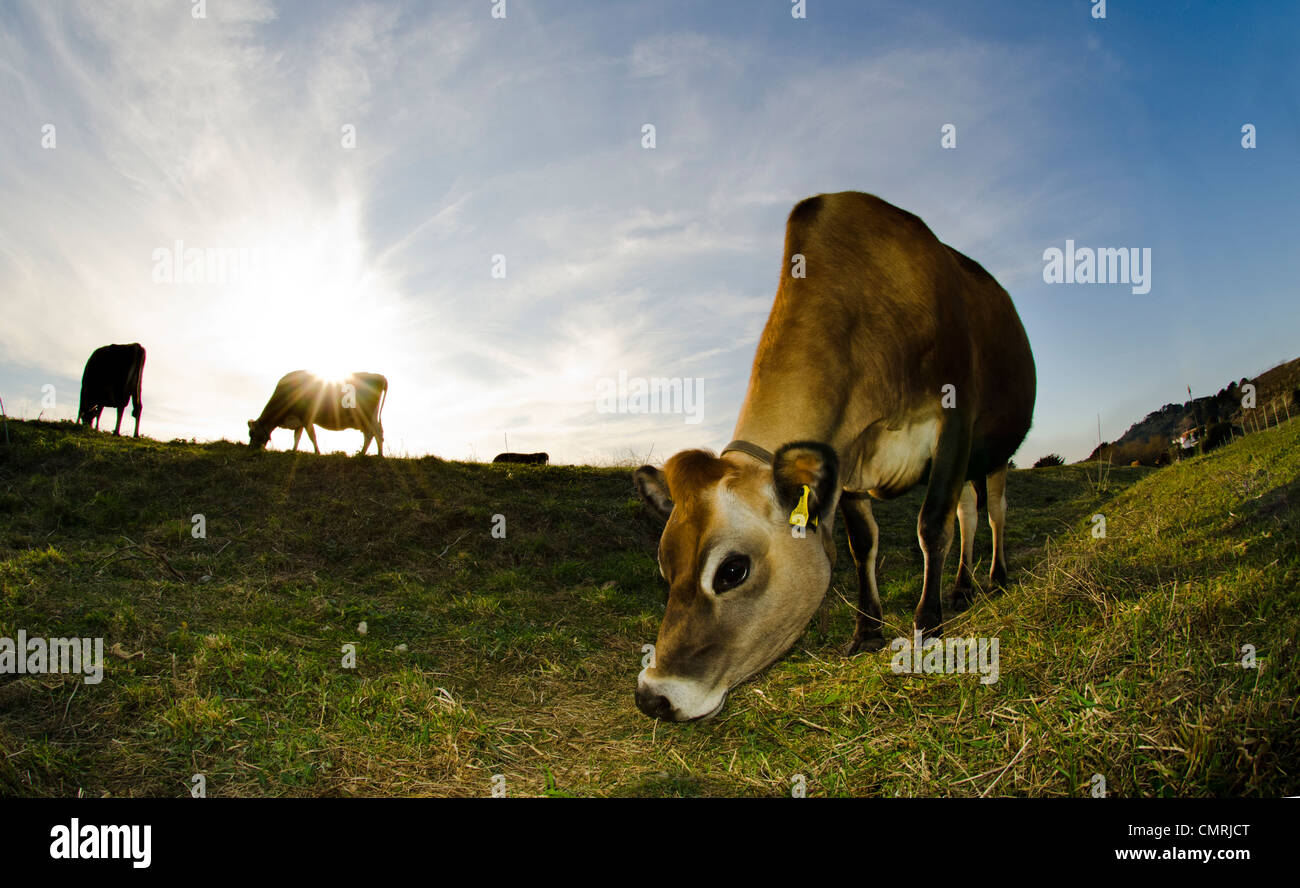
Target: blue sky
522, 137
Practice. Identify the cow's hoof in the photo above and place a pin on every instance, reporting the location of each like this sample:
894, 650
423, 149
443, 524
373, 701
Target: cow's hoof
962, 598
864, 645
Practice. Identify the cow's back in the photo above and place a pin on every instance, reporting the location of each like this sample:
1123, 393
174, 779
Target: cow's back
308, 399
869, 299
370, 389
112, 375
366, 396
910, 313
883, 316
1004, 377
293, 396
540, 459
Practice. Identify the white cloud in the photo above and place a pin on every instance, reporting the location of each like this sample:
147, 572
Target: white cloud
472, 140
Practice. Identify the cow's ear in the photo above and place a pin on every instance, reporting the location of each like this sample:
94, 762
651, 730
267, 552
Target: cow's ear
809, 464
653, 487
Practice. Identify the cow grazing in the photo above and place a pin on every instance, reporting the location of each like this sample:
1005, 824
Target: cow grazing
113, 377
888, 360
540, 459
304, 401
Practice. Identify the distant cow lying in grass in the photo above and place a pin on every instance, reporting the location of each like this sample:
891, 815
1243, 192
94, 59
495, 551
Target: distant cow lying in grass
303, 401
540, 459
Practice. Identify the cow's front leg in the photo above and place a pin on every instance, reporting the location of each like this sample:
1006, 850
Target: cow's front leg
864, 540
117, 429
311, 434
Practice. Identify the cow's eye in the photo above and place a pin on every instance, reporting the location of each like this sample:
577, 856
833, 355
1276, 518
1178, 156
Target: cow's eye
731, 573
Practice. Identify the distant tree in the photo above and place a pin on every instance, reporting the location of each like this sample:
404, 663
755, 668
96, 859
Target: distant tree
1052, 459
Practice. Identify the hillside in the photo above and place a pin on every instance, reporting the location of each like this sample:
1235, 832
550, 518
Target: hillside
1119, 656
1277, 391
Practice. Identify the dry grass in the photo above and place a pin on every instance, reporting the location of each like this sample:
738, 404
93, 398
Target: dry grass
1118, 657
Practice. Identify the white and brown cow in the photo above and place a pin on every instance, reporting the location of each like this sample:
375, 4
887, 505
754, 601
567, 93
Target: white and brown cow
302, 400
889, 360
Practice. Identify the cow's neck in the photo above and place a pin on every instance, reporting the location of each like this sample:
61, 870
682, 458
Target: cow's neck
799, 389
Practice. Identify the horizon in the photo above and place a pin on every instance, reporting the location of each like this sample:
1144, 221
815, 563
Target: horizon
468, 205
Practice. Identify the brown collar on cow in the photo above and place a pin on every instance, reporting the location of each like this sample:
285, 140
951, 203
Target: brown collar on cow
800, 514
752, 449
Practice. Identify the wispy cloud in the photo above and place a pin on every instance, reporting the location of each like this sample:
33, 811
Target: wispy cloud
476, 138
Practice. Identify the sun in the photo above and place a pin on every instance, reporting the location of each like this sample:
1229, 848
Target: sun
318, 304
329, 371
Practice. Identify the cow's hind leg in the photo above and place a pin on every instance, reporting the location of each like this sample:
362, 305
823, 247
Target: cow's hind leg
372, 429
117, 429
297, 436
136, 410
997, 482
864, 541
311, 434
967, 518
365, 441
934, 526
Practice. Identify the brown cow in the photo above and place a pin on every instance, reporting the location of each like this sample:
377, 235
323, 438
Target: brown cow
537, 459
303, 401
889, 360
114, 377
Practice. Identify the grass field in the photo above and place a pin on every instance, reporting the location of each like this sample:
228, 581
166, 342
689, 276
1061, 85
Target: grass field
1118, 656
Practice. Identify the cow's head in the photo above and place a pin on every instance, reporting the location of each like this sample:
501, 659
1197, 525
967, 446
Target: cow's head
258, 435
743, 581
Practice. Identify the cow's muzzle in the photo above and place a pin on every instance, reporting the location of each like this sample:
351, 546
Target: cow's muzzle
655, 699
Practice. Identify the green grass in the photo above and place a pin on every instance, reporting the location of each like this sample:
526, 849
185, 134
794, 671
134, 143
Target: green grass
1119, 656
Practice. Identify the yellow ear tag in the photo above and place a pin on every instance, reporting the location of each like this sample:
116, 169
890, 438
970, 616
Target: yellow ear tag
799, 517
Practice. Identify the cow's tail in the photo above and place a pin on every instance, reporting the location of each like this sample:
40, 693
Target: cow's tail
139, 381
383, 396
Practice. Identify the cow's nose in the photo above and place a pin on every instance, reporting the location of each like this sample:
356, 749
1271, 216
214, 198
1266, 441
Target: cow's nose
653, 704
